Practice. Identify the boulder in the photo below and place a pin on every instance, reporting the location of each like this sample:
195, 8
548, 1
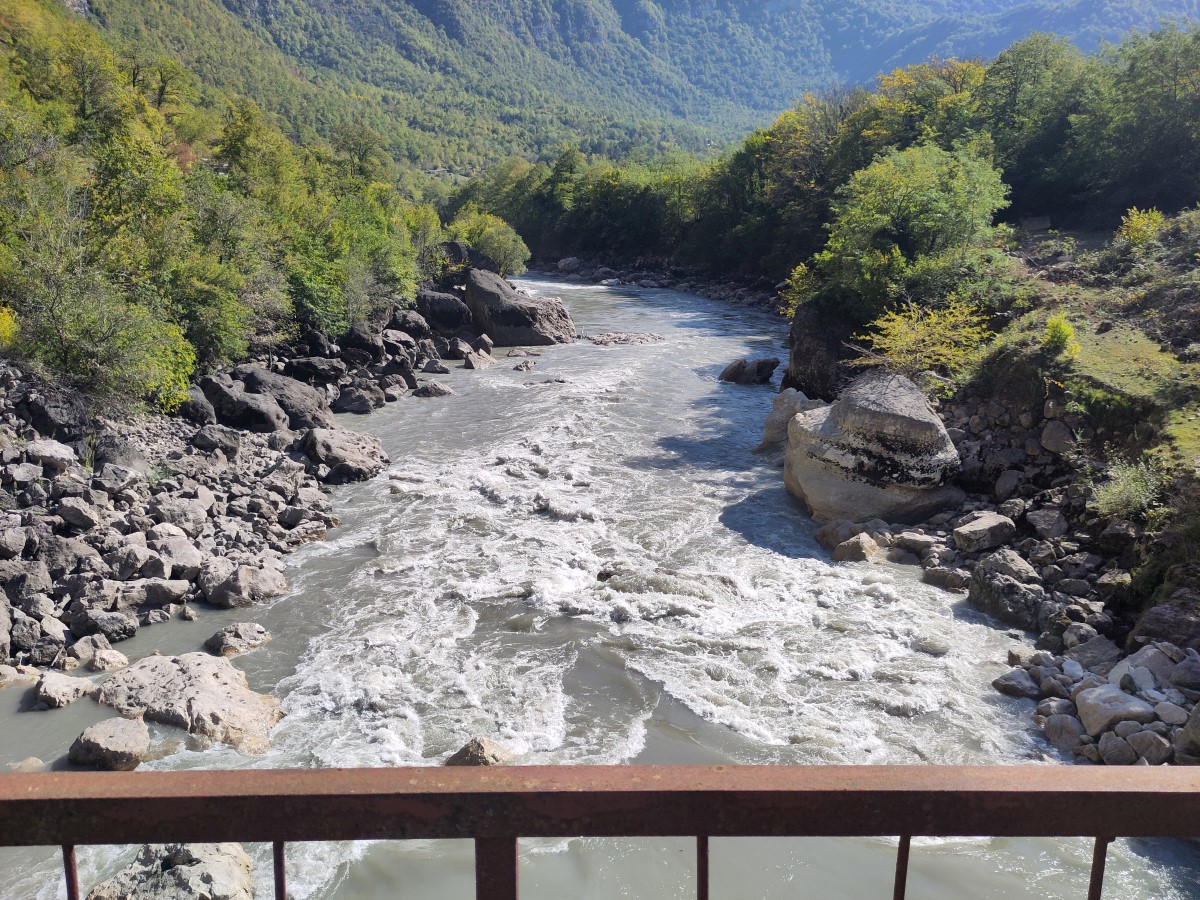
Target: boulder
115, 626
237, 408
481, 752
218, 437
1017, 683
189, 515
1047, 523
786, 405
1057, 437
316, 370
114, 448
202, 694
1115, 750
1100, 708
348, 455
879, 451
1153, 748
756, 370
196, 408
78, 512
1064, 732
182, 872
247, 586
233, 640
181, 558
116, 745
56, 690
1007, 599
306, 407
64, 556
1176, 620
478, 360
361, 397
1097, 655
513, 319
986, 531
433, 389
1010, 563
445, 314
411, 323
50, 454
860, 548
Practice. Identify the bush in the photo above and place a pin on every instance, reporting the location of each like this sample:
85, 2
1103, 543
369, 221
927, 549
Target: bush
1141, 226
1131, 490
918, 340
1059, 337
8, 328
493, 237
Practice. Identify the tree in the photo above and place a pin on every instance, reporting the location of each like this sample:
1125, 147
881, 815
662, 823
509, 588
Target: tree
917, 339
894, 216
493, 237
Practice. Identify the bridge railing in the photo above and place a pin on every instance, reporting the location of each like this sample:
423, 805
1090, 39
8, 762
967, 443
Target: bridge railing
497, 806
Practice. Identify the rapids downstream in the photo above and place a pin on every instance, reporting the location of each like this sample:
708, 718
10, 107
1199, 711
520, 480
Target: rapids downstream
587, 563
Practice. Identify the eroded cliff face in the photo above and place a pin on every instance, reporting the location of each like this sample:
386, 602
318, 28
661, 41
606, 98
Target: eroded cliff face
878, 451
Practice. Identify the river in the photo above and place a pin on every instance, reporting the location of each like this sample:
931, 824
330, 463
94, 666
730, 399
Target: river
461, 597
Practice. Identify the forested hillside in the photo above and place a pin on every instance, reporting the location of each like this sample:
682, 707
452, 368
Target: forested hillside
452, 83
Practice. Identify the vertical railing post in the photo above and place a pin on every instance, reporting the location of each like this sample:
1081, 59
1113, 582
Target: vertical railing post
1099, 859
702, 867
496, 868
280, 870
901, 883
71, 871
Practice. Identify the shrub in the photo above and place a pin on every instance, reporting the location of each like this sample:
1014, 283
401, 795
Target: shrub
493, 237
1059, 337
798, 290
1131, 490
1141, 226
917, 340
8, 328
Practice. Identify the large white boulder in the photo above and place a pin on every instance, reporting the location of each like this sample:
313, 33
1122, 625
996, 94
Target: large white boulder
199, 693
182, 872
878, 451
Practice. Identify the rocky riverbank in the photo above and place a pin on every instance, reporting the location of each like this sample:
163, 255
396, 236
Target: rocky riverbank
111, 524
755, 293
985, 496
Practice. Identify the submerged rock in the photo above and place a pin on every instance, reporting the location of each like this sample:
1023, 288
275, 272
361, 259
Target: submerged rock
182, 872
199, 693
481, 752
879, 451
233, 640
757, 370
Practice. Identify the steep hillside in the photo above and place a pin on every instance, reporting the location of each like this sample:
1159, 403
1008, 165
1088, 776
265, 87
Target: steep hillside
458, 82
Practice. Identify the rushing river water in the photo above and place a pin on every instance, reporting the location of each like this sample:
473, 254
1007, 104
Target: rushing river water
461, 597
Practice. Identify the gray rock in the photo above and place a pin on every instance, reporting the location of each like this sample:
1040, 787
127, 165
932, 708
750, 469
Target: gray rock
879, 451
65, 556
78, 512
360, 398
1102, 707
350, 456
986, 531
316, 370
199, 693
238, 408
1177, 620
214, 571
217, 437
1153, 748
116, 745
182, 558
1007, 484
233, 640
57, 691
1047, 523
481, 752
513, 319
247, 586
182, 872
1064, 732
445, 314
750, 370
305, 407
196, 408
859, 548
51, 454
1010, 563
1116, 751
1007, 599
432, 389
113, 479
1171, 713
115, 626
1098, 655
189, 515
1057, 437
787, 404
1017, 683
478, 360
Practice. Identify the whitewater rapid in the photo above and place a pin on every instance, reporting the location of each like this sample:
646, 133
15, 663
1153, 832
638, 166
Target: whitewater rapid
588, 563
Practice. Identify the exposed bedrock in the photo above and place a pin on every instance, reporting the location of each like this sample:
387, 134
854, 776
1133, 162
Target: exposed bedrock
878, 451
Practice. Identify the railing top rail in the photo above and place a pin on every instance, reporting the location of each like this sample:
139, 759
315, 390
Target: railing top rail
599, 801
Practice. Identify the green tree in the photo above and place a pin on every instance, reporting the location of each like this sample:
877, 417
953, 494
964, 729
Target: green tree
493, 237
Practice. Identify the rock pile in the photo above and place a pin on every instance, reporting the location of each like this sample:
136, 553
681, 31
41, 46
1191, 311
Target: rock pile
1091, 704
759, 294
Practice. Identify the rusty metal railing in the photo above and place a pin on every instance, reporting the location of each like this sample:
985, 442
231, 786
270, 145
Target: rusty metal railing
496, 806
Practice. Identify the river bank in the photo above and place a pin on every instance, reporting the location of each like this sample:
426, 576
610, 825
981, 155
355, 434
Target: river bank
461, 598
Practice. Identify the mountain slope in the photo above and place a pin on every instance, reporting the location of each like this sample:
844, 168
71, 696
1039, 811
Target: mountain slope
458, 82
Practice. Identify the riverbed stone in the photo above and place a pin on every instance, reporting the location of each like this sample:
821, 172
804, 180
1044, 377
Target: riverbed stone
349, 455
202, 694
182, 872
986, 531
117, 745
750, 370
236, 639
481, 751
1064, 732
1047, 523
1017, 683
1116, 751
50, 454
246, 586
1102, 707
1153, 748
860, 548
1097, 655
56, 690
